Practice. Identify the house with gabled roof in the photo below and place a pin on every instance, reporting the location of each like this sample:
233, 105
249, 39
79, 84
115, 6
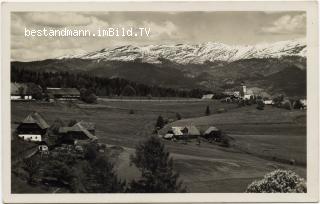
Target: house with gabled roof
33, 127
77, 132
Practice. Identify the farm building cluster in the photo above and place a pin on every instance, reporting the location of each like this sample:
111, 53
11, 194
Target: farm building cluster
34, 128
190, 132
32, 91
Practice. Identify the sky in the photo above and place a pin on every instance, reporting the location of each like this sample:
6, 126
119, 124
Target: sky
232, 28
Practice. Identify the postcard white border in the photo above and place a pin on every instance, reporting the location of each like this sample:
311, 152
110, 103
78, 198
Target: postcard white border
312, 98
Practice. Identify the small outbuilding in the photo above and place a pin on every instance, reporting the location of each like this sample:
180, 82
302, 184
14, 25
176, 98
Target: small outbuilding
212, 133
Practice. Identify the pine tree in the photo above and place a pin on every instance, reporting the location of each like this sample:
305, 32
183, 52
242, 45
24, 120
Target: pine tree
160, 122
208, 110
156, 166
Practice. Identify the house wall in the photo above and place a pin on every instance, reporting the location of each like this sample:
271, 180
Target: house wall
30, 137
26, 97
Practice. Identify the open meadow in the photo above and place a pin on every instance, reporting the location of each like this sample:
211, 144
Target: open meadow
261, 140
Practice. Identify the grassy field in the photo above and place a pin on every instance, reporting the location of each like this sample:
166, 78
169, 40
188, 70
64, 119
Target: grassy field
259, 137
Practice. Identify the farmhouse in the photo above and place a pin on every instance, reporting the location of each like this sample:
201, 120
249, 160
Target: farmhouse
33, 127
63, 93
207, 96
268, 102
71, 135
24, 91
212, 133
184, 132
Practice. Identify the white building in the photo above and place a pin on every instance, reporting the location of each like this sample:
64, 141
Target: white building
207, 96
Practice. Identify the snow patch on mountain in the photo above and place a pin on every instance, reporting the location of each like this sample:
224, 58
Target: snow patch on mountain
196, 54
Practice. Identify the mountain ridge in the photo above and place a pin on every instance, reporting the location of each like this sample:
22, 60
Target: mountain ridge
195, 54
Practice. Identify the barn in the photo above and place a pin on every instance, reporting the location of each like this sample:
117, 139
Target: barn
77, 132
33, 127
63, 93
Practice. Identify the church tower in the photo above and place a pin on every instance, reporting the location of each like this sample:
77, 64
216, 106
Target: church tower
243, 89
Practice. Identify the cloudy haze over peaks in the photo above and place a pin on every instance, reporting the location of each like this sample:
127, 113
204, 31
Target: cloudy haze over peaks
232, 28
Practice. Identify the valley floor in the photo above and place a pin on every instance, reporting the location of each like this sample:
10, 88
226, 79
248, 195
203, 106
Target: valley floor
262, 140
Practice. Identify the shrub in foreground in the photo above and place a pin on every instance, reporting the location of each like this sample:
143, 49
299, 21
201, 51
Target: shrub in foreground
279, 181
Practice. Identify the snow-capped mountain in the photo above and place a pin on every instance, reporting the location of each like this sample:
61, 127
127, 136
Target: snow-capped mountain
196, 54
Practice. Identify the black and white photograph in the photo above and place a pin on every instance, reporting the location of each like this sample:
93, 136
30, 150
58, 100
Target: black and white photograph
158, 102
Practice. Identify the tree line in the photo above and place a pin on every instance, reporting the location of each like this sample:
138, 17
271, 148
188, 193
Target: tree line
101, 86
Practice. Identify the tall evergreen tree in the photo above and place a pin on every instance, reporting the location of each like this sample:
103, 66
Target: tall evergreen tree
208, 110
160, 122
156, 166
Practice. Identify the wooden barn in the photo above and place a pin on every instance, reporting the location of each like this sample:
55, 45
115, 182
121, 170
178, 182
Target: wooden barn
33, 127
63, 93
70, 135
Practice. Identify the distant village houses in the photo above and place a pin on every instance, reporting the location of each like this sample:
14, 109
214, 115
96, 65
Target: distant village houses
24, 91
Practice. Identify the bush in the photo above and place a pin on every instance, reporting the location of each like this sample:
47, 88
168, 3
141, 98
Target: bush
31, 166
90, 152
297, 104
178, 116
279, 181
260, 104
286, 105
88, 96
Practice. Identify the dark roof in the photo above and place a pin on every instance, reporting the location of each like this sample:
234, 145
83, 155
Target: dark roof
77, 128
36, 118
63, 91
